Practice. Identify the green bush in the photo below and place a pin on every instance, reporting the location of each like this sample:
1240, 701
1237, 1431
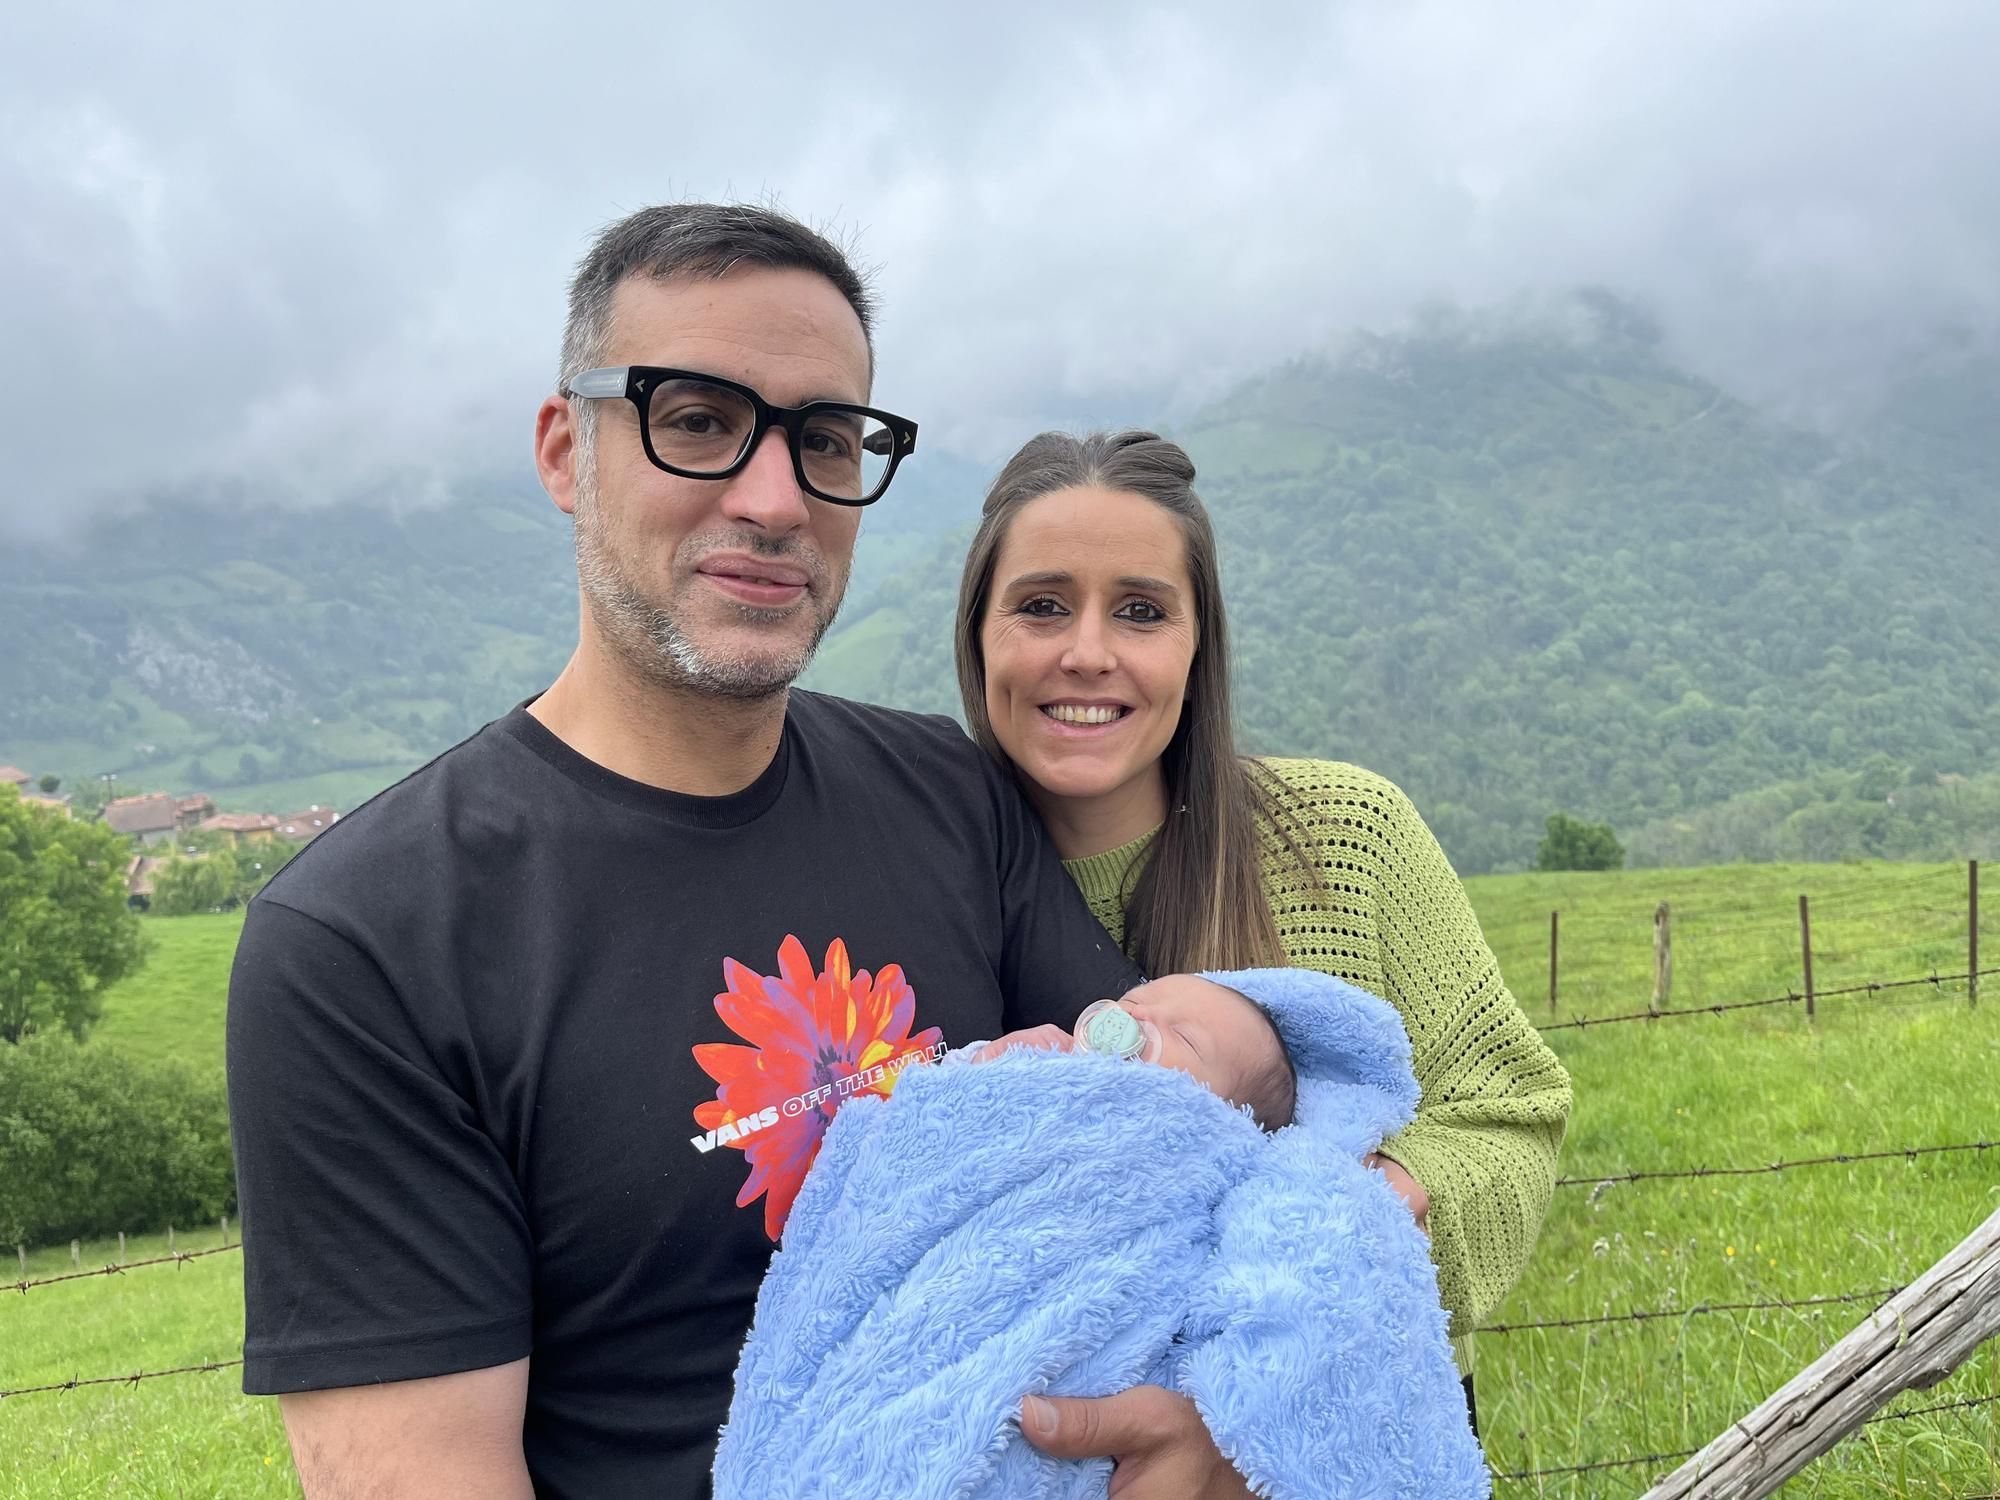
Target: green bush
188, 884
1571, 844
92, 1143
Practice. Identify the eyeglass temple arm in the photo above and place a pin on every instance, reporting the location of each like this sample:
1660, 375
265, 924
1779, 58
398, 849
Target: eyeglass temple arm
605, 382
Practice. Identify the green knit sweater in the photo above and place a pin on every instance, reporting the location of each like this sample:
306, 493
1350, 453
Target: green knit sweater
1391, 917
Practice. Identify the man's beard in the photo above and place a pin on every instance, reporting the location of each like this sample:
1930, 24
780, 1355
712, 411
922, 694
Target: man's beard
648, 637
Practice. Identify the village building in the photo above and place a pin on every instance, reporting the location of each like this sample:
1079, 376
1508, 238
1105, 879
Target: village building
152, 819
242, 828
304, 827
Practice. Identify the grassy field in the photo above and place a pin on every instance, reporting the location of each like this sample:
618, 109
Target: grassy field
173, 1007
1907, 1067
194, 1436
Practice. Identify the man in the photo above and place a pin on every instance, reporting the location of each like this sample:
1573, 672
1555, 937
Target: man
529, 1056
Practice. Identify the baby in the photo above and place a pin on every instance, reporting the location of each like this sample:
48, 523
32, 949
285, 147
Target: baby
1076, 1226
1220, 1037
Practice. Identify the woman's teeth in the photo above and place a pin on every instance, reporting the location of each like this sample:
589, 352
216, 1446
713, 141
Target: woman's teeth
1075, 713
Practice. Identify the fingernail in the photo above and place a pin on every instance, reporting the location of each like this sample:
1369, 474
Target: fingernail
1037, 1416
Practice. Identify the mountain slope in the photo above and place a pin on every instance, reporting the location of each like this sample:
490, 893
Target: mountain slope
225, 650
276, 658
1515, 565
1519, 569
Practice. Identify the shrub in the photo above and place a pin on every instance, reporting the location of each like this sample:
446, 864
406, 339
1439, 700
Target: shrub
92, 1142
1571, 844
185, 885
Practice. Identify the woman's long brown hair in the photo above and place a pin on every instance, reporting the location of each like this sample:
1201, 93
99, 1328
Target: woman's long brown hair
1198, 902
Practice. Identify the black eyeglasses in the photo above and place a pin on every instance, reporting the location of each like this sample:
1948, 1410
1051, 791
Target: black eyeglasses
704, 427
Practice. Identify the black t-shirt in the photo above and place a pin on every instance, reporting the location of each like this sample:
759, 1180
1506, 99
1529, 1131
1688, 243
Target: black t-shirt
526, 1058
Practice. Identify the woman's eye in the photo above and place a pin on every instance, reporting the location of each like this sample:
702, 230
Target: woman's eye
1043, 608
1142, 612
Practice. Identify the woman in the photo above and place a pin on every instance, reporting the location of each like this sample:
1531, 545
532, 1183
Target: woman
1093, 656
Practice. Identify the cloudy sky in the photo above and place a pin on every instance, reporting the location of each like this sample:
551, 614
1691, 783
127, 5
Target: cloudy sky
297, 257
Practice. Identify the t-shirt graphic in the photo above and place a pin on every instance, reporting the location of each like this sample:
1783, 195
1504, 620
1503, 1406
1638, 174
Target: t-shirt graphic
817, 1040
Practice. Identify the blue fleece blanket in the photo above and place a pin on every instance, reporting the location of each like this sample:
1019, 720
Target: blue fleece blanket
1076, 1225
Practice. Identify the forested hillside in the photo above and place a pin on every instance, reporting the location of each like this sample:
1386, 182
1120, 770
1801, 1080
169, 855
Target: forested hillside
1516, 565
275, 657
1519, 569
221, 649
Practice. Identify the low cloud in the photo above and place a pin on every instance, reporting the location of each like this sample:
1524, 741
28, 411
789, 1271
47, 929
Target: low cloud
306, 259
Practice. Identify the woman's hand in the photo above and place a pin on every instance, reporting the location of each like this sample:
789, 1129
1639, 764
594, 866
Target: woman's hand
1154, 1437
1411, 1190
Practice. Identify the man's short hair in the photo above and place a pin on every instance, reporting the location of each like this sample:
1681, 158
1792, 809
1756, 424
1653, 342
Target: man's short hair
697, 239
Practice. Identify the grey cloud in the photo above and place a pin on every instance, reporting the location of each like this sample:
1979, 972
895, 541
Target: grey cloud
304, 258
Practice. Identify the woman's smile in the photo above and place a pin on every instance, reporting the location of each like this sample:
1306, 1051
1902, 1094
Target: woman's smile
1086, 716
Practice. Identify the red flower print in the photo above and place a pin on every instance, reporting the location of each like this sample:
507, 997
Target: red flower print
812, 1037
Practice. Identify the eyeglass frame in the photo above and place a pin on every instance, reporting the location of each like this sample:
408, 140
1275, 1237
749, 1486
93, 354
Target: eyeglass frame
636, 383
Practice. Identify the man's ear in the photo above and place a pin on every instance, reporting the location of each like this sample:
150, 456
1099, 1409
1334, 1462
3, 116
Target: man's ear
555, 452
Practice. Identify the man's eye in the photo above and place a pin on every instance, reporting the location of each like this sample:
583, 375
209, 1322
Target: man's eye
694, 422
826, 444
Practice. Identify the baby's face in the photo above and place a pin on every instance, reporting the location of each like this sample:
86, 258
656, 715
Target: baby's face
1209, 1032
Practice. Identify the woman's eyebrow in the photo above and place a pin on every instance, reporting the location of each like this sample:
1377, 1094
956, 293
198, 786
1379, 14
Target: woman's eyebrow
1052, 576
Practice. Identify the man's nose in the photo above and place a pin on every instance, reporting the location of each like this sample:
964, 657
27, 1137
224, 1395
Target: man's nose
765, 492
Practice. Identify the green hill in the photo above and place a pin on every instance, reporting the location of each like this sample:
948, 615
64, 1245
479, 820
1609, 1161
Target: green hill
279, 658
1519, 570
274, 657
1516, 563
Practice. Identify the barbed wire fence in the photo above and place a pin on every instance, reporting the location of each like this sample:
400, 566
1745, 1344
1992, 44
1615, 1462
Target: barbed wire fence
1929, 986
1845, 942
119, 1268
1891, 929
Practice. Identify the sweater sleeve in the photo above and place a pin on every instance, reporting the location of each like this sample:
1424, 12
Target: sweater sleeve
1495, 1099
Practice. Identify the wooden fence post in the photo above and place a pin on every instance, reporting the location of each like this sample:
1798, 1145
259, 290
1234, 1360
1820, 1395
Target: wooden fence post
1663, 956
1805, 945
76, 1255
1913, 1340
1972, 932
170, 1240
21, 1253
121, 1247
224, 1221
1555, 918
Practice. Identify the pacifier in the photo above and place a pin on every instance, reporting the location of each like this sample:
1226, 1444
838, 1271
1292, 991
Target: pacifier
1108, 1028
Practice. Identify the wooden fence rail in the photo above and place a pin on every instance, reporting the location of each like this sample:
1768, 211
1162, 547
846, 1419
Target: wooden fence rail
1915, 1339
